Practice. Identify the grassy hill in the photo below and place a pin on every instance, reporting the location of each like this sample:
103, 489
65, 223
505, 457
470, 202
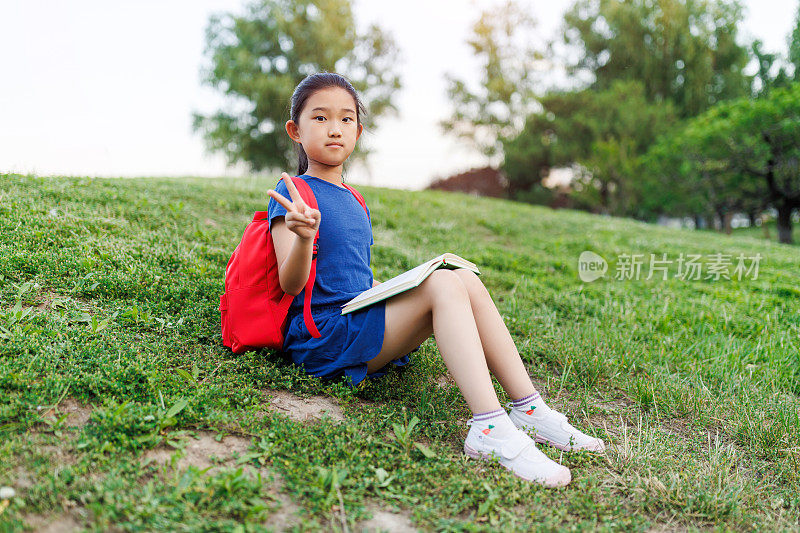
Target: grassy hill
120, 409
770, 234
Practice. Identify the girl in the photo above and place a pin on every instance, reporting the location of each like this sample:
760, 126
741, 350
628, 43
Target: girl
453, 305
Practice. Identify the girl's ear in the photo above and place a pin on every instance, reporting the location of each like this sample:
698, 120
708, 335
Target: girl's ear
291, 130
360, 129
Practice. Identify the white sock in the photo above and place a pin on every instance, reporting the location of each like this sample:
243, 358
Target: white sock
532, 405
495, 423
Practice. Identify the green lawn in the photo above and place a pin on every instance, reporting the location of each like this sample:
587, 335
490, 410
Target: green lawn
772, 232
111, 356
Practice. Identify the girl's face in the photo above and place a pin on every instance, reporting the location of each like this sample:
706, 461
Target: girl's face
327, 128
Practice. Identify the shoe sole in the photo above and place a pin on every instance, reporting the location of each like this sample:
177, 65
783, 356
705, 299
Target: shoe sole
475, 454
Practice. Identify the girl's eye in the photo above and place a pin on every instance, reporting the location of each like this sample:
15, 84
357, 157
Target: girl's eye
351, 119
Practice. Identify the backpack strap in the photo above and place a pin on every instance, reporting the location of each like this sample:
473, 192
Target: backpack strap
308, 197
359, 198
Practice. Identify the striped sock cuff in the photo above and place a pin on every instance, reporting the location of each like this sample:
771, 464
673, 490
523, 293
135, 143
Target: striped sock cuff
527, 399
480, 417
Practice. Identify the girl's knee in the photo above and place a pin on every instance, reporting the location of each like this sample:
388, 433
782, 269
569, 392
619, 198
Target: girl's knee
470, 280
445, 283
467, 277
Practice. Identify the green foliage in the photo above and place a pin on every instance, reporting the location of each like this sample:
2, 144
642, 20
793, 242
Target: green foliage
683, 51
648, 64
602, 131
257, 58
768, 77
794, 46
505, 95
739, 155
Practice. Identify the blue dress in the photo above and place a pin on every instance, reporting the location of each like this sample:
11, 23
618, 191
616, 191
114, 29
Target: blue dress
348, 341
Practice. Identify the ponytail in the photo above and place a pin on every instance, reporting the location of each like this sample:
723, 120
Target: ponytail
302, 160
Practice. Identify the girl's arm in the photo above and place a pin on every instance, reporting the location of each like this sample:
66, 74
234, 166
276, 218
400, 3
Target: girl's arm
293, 237
294, 256
375, 282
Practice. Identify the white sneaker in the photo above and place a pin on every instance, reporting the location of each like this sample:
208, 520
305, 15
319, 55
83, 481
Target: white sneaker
518, 453
553, 428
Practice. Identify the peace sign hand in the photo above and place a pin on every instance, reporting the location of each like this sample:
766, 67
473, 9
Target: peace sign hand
301, 219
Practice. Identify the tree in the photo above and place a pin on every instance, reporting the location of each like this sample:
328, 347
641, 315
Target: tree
500, 38
774, 70
258, 58
666, 183
602, 131
766, 145
741, 155
684, 51
794, 46
721, 186
765, 79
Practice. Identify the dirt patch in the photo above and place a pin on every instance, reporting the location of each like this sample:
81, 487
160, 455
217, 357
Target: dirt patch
61, 524
444, 381
668, 526
58, 454
383, 520
77, 414
53, 300
677, 427
311, 409
285, 516
202, 451
23, 479
52, 454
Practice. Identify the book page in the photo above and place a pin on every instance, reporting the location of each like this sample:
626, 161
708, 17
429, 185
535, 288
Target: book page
408, 276
407, 280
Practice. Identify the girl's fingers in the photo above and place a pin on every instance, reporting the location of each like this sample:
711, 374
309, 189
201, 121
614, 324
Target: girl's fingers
285, 202
300, 218
296, 198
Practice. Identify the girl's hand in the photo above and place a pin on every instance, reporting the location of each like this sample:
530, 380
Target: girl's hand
301, 219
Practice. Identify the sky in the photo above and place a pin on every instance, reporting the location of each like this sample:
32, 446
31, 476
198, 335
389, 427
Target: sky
98, 88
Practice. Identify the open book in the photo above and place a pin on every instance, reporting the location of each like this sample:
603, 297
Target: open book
407, 280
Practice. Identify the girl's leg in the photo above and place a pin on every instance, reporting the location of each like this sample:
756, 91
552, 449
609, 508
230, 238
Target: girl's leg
440, 305
501, 353
504, 361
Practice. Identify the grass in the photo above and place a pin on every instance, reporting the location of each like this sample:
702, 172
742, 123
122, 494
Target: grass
108, 297
757, 232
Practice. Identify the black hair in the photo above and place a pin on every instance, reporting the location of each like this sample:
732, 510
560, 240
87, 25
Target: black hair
304, 90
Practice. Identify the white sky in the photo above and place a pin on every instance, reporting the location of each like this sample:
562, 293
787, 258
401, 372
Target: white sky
99, 88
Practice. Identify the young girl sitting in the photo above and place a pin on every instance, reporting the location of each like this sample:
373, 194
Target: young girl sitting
451, 304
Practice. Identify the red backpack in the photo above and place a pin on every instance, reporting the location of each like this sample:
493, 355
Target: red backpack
254, 308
